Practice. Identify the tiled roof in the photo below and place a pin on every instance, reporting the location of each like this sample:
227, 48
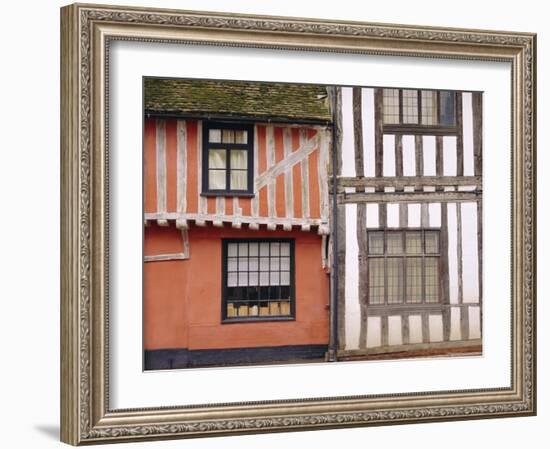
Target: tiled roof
206, 98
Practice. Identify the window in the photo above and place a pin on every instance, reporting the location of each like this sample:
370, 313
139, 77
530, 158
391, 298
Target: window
258, 279
403, 267
227, 159
421, 108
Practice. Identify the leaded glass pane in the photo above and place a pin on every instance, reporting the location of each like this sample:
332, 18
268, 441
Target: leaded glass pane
414, 279
429, 107
391, 106
394, 243
431, 279
410, 106
446, 108
394, 269
376, 281
413, 242
376, 242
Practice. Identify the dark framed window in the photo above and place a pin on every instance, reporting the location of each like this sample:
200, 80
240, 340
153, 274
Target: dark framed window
227, 159
403, 266
419, 110
257, 279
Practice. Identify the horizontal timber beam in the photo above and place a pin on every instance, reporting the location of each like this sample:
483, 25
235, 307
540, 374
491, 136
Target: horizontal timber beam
409, 197
407, 181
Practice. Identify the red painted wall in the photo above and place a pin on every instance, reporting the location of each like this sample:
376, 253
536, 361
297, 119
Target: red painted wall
182, 298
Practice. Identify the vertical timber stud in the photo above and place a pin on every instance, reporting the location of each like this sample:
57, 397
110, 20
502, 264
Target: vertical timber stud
459, 137
464, 317
363, 271
361, 214
334, 168
444, 267
378, 132
339, 212
403, 208
478, 171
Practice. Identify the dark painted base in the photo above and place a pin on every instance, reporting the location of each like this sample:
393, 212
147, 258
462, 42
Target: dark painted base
158, 359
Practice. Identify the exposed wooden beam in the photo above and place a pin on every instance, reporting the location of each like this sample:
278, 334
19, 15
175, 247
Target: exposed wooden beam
459, 137
400, 182
358, 131
408, 197
378, 132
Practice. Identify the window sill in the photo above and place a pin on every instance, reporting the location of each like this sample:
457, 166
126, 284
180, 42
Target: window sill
228, 194
257, 319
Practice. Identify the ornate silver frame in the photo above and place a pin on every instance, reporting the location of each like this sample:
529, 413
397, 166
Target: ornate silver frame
86, 33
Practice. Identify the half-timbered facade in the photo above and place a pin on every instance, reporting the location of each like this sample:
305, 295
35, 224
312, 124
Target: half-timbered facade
236, 213
409, 221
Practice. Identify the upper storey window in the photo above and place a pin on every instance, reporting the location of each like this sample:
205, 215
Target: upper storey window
420, 110
227, 159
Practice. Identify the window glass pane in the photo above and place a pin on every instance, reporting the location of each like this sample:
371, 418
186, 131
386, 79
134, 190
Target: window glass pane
264, 278
228, 136
216, 179
243, 278
429, 107
216, 159
394, 243
215, 135
376, 242
243, 264
232, 249
285, 263
432, 242
232, 264
285, 307
232, 279
376, 281
253, 249
431, 277
241, 136
253, 278
243, 249
391, 105
414, 279
239, 180
410, 106
413, 242
274, 264
285, 249
274, 278
446, 108
275, 247
285, 278
253, 264
394, 268
264, 263
239, 159
264, 249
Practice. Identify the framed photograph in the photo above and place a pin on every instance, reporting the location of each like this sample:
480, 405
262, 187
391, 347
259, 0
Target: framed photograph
281, 224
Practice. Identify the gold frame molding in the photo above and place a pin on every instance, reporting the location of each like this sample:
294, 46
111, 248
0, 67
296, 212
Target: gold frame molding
86, 31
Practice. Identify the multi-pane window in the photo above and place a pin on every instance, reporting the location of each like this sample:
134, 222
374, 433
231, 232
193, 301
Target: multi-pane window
419, 107
403, 266
227, 158
258, 279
